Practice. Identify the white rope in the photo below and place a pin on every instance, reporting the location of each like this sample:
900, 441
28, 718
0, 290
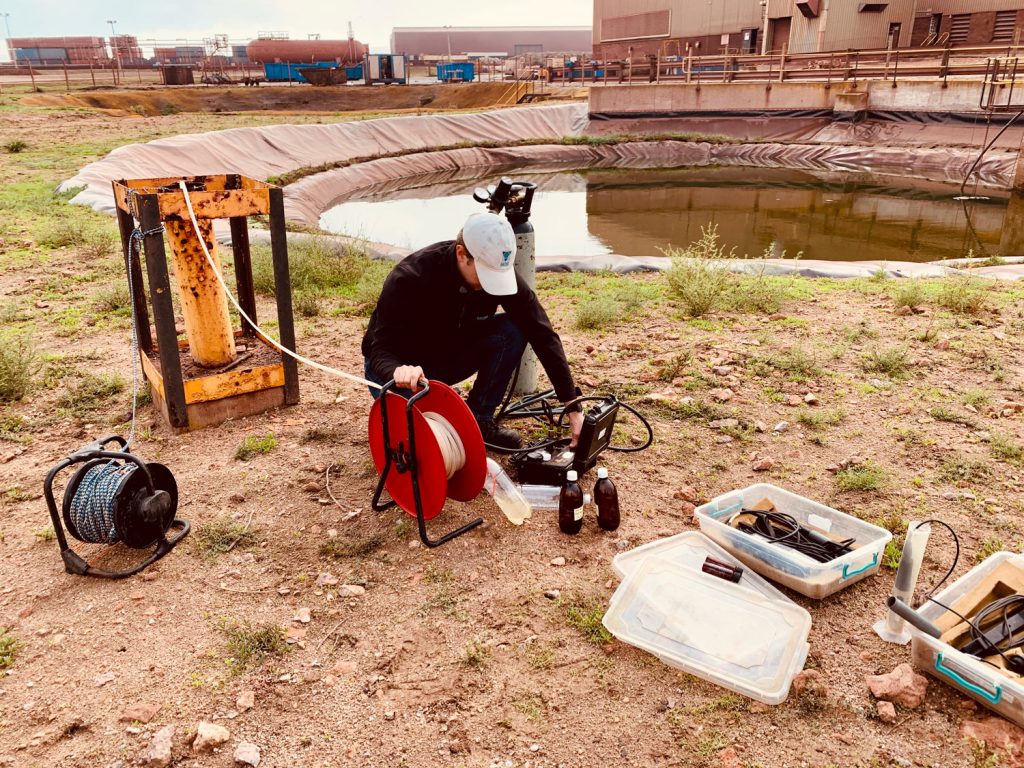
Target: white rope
452, 450
273, 342
448, 440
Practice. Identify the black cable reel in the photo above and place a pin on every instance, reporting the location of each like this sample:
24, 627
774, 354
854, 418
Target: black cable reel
114, 497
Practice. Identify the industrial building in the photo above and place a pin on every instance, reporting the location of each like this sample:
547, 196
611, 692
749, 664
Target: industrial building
641, 28
434, 43
57, 50
179, 54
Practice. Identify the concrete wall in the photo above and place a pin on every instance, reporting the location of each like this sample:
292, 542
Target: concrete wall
911, 96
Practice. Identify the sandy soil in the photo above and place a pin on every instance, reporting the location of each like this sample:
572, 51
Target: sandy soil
456, 656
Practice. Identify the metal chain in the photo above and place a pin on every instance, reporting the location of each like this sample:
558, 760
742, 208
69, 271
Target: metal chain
135, 249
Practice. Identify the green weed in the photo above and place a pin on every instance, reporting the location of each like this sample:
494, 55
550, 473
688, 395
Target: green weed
90, 393
891, 361
9, 647
909, 293
988, 548
696, 278
359, 548
965, 470
1004, 447
892, 555
962, 295
18, 366
820, 420
255, 446
585, 616
943, 413
15, 146
863, 477
596, 312
308, 303
248, 644
222, 535
475, 654
975, 397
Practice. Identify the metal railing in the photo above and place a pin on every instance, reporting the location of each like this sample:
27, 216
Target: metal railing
782, 66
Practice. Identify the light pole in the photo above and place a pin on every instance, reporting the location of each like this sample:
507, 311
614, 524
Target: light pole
113, 43
7, 26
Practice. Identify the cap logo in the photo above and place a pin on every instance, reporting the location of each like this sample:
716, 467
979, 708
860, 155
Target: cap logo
505, 256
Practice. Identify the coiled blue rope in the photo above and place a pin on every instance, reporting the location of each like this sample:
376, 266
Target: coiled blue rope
92, 506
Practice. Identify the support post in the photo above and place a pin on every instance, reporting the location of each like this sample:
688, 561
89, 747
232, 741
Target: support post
163, 310
283, 291
243, 271
134, 267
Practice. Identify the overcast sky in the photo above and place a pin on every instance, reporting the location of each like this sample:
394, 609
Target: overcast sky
241, 19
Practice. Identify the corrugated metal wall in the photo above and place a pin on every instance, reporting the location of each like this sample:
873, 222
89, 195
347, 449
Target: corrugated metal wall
840, 25
694, 18
968, 6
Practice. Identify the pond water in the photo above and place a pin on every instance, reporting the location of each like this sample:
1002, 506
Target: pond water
756, 211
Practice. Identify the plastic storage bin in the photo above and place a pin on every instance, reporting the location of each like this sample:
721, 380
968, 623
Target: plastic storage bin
689, 550
719, 631
787, 566
1001, 693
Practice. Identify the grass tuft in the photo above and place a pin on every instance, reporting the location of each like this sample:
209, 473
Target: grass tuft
596, 312
342, 548
696, 278
585, 616
222, 535
255, 446
250, 644
909, 293
91, 392
962, 295
15, 146
891, 361
862, 477
9, 647
18, 366
1004, 447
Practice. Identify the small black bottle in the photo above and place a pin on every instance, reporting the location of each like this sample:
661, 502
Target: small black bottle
570, 505
607, 499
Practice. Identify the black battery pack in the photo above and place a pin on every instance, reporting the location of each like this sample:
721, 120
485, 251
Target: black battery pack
549, 468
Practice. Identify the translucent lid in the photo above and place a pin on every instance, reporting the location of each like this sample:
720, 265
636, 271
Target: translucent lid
689, 549
570, 476
602, 473
712, 628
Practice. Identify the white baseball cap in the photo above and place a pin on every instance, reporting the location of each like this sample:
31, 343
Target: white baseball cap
492, 244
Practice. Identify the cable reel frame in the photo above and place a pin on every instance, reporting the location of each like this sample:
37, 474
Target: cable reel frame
145, 503
408, 458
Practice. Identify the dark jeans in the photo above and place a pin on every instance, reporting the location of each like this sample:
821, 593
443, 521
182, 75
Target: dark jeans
492, 349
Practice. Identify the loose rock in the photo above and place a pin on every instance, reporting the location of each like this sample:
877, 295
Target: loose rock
247, 753
245, 701
902, 686
558, 562
351, 590
687, 493
764, 465
724, 423
886, 711
998, 735
782, 426
159, 753
552, 594
142, 712
722, 395
210, 735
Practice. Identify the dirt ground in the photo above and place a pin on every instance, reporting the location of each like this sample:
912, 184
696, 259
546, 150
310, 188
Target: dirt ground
487, 651
298, 98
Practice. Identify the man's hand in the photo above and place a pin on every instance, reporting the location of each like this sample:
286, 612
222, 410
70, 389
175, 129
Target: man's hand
408, 377
576, 422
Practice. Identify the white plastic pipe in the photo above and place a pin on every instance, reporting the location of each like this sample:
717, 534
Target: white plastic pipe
893, 628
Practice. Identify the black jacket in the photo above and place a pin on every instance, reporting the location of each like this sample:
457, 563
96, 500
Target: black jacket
425, 306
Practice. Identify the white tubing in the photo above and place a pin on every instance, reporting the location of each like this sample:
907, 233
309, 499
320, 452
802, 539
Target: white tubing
325, 368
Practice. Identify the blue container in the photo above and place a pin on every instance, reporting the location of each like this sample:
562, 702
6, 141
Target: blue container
456, 72
282, 73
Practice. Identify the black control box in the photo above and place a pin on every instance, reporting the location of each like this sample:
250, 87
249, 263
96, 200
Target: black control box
549, 468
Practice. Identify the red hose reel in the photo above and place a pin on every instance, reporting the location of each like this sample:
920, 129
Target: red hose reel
409, 458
